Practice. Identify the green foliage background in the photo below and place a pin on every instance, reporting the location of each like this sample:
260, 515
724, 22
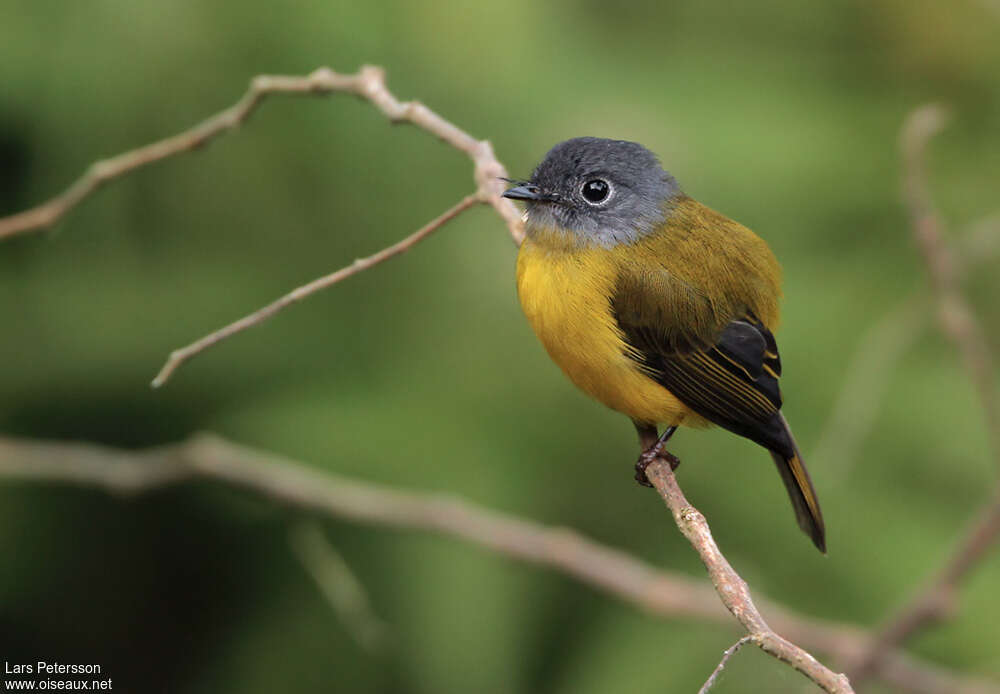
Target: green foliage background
422, 373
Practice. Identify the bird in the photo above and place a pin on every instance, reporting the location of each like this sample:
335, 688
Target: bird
656, 305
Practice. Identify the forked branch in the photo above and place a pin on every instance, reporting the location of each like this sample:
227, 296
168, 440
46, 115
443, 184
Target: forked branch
733, 590
368, 83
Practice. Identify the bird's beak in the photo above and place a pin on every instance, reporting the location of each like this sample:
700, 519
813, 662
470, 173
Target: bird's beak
530, 192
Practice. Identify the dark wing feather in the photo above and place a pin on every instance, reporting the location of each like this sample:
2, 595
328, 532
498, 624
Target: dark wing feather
732, 382
730, 378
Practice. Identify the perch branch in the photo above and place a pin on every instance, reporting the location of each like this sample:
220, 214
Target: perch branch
179, 356
368, 83
733, 590
657, 592
958, 322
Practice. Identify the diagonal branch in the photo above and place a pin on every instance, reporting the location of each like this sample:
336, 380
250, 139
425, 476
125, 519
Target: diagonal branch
338, 584
179, 356
959, 323
733, 590
865, 382
937, 600
657, 592
878, 351
368, 83
957, 319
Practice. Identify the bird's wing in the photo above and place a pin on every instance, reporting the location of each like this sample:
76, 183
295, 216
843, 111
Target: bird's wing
717, 356
731, 378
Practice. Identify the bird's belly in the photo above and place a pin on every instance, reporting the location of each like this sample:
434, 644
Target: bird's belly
566, 296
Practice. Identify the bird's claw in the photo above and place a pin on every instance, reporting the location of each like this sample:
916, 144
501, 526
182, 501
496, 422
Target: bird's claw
647, 457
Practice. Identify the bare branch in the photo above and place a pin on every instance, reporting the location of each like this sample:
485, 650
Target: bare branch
937, 600
871, 366
368, 83
732, 589
726, 655
956, 317
958, 322
337, 582
179, 356
657, 592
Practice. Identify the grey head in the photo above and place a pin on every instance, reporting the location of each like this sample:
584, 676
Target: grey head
606, 192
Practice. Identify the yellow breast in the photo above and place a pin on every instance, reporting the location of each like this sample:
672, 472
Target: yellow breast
565, 292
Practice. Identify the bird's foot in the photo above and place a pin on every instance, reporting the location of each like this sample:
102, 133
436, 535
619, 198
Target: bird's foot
647, 457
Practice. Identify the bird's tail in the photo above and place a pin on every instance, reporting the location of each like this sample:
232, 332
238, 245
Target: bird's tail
800, 491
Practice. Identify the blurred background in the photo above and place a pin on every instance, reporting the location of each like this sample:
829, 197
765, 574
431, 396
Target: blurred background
781, 114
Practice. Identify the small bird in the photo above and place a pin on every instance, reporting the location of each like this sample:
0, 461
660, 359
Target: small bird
656, 305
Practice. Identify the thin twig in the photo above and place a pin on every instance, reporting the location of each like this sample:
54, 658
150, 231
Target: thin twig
956, 317
957, 320
865, 381
880, 349
179, 356
726, 655
733, 590
337, 582
657, 592
368, 83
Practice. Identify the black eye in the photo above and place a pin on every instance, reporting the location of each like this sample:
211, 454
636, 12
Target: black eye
595, 191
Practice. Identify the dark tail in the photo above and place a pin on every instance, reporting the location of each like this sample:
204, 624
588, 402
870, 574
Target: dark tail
800, 491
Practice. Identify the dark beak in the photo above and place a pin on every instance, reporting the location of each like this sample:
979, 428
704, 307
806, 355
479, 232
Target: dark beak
530, 192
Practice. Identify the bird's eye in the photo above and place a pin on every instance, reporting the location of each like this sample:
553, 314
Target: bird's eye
595, 191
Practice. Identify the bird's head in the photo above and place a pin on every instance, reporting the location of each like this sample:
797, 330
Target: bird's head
604, 192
